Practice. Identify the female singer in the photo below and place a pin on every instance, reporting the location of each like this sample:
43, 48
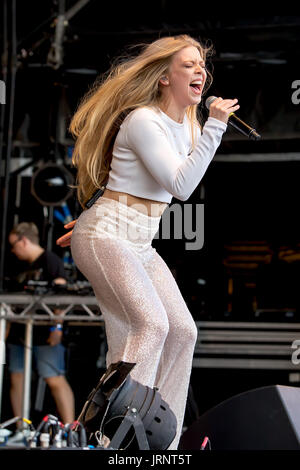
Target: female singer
137, 134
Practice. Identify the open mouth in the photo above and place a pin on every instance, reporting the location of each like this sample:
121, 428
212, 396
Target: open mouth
197, 86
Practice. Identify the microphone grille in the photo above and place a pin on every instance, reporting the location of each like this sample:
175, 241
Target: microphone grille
209, 101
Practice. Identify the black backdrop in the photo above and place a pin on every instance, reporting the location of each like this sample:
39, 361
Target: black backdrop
256, 59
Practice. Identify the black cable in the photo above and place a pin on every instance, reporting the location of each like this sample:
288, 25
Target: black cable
49, 421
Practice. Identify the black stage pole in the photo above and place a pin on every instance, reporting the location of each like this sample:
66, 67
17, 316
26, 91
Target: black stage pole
10, 113
4, 62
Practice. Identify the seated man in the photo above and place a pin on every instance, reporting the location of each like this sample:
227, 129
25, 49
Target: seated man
48, 351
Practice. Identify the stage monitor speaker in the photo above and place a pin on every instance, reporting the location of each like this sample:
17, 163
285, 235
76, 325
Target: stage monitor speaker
266, 418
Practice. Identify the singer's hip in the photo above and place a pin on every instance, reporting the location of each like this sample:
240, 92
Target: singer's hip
110, 219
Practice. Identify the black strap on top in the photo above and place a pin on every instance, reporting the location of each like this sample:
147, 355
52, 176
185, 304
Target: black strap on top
95, 196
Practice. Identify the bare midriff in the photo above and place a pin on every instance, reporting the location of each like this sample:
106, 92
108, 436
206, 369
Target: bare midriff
146, 206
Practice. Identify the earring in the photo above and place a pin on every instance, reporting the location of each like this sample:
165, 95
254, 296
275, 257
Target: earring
164, 79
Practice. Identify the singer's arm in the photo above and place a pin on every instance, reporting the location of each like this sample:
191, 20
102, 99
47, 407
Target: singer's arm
147, 138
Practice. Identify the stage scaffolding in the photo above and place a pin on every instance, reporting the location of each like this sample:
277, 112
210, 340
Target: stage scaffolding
29, 305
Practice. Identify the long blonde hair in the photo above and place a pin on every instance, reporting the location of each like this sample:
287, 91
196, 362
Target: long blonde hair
128, 85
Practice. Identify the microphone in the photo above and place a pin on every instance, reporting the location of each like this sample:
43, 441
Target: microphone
236, 122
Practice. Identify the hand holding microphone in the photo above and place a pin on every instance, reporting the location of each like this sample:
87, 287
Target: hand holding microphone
224, 111
221, 109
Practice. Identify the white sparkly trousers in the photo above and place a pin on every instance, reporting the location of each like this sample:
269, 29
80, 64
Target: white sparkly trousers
146, 318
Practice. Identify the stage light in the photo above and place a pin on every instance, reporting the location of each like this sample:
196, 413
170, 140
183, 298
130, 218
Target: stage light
50, 184
133, 416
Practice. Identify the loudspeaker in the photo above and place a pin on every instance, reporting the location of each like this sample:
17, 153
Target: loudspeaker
266, 418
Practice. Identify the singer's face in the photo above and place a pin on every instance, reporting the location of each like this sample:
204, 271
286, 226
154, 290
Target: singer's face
187, 76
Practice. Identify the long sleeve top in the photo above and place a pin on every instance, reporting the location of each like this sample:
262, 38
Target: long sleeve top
153, 156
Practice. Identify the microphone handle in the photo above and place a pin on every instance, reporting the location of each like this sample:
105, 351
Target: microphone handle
242, 127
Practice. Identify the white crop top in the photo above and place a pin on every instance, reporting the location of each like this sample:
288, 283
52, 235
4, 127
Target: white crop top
152, 155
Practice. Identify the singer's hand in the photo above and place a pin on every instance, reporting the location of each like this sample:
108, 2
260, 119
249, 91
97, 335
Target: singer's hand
221, 109
65, 240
